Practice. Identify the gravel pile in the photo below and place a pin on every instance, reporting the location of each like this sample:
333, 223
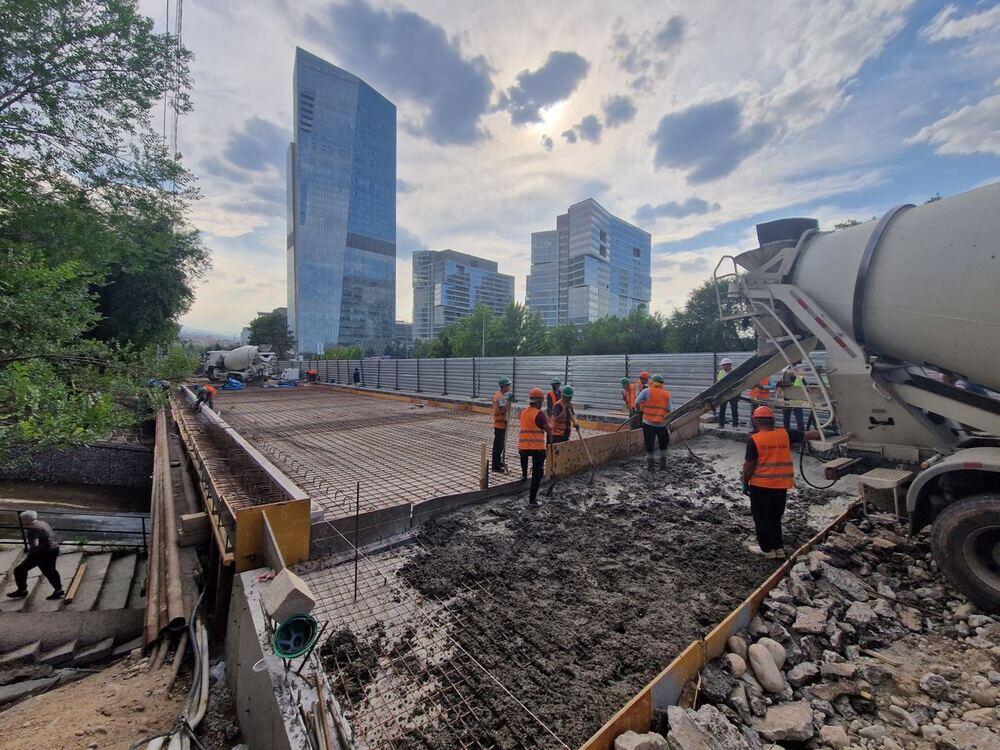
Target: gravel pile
863, 645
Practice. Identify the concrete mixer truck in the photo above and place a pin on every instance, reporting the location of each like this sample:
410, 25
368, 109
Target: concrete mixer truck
247, 363
903, 306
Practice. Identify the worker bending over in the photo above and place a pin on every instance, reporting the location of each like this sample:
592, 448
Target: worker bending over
563, 416
654, 404
531, 442
206, 395
768, 475
501, 410
726, 367
553, 396
43, 551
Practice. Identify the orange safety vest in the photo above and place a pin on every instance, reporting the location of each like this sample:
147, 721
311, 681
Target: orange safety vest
656, 406
500, 415
532, 437
773, 468
561, 425
628, 396
553, 399
762, 390
211, 390
638, 387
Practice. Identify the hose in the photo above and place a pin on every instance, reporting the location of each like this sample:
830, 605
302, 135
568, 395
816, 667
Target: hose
802, 469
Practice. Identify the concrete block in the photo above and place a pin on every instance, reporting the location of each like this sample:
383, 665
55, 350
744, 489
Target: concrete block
287, 595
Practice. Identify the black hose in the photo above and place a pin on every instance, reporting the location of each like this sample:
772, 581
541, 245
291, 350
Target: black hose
802, 468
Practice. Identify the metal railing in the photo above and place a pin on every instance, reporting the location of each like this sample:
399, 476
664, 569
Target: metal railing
100, 529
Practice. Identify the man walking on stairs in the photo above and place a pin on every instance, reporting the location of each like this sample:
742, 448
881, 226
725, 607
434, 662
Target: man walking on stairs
43, 550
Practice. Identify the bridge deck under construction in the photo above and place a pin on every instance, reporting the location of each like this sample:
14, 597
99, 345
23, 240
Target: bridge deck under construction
328, 440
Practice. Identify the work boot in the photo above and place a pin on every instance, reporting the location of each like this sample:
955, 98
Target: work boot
663, 461
650, 463
56, 595
18, 594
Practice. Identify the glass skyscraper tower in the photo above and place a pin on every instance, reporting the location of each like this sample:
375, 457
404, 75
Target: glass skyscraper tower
591, 266
341, 210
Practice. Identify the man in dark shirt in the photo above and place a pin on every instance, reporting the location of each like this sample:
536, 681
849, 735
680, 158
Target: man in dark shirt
43, 550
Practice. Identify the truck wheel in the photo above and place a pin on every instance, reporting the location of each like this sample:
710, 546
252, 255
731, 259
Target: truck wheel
210, 373
966, 544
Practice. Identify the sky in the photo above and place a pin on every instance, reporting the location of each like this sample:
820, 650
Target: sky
693, 120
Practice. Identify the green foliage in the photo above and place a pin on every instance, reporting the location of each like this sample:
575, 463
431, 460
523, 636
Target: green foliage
272, 329
697, 328
342, 352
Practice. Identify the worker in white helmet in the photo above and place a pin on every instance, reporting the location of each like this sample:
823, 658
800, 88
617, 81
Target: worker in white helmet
725, 367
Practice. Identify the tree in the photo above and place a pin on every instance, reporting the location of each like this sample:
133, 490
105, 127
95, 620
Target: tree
342, 352
697, 328
564, 339
272, 329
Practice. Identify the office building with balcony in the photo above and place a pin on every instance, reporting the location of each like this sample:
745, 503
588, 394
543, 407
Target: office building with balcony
449, 286
341, 210
592, 265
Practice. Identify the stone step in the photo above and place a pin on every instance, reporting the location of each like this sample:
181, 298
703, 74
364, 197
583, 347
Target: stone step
10, 555
18, 605
117, 583
66, 564
94, 652
58, 654
137, 594
27, 654
94, 578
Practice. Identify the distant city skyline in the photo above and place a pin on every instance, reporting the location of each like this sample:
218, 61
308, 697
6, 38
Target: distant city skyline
449, 285
689, 121
341, 282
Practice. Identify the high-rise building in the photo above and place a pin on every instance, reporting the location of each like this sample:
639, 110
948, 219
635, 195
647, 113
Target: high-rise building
449, 285
592, 265
341, 210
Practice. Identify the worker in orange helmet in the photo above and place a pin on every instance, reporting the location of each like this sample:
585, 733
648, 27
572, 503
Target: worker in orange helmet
206, 395
654, 405
768, 474
531, 442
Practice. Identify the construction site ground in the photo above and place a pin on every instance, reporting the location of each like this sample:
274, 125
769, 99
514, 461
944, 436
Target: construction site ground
506, 626
327, 440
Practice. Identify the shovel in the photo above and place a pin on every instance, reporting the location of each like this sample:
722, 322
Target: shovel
593, 467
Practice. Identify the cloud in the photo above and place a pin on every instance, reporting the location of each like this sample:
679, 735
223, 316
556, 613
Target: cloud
547, 143
569, 135
404, 186
588, 129
260, 144
969, 130
947, 25
670, 34
708, 141
410, 57
675, 210
645, 55
618, 110
407, 242
553, 82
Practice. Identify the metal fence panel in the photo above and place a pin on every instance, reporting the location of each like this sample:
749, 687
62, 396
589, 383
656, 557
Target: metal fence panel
432, 376
538, 372
407, 375
490, 370
369, 372
596, 381
461, 376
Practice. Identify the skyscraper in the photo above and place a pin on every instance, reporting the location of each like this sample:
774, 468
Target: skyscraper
341, 210
592, 265
449, 285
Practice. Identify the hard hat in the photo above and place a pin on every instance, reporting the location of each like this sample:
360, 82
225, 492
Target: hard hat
567, 392
556, 381
624, 381
657, 378
763, 412
644, 375
726, 361
535, 393
503, 381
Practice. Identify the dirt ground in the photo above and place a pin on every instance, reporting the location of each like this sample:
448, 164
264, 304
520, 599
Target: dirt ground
576, 605
113, 709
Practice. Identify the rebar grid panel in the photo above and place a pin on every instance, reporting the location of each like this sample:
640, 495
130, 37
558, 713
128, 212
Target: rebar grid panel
400, 673
400, 452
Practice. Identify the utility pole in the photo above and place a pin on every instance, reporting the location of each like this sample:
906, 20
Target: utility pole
483, 352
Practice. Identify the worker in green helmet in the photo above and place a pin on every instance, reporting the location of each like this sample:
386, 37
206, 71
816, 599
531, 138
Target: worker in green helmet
628, 398
563, 416
501, 411
654, 403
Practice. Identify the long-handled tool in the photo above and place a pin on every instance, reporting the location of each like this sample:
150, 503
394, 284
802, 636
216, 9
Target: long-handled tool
593, 466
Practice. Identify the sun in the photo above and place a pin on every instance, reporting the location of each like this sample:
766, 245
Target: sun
550, 116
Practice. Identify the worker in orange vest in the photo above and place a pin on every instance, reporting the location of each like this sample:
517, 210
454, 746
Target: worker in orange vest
563, 416
553, 396
531, 442
768, 474
761, 391
501, 410
628, 395
206, 395
654, 404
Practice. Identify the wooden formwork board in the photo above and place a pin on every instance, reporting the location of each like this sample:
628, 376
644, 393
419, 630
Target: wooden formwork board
290, 523
571, 457
665, 689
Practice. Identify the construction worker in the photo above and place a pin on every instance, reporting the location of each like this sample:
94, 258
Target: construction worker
43, 551
768, 475
726, 367
628, 395
654, 403
531, 442
791, 377
761, 391
501, 410
638, 387
206, 395
553, 396
563, 416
